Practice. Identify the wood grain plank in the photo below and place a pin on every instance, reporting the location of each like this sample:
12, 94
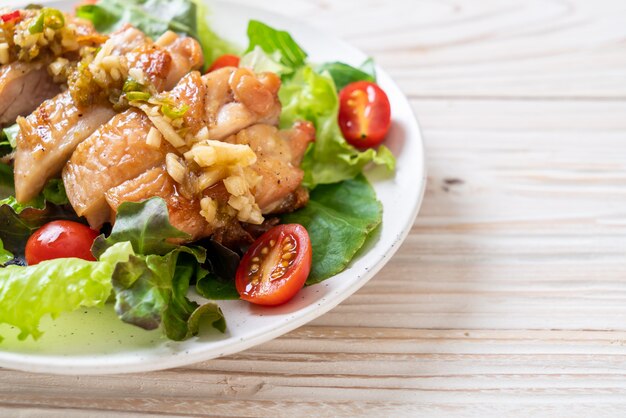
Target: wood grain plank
508, 297
571, 49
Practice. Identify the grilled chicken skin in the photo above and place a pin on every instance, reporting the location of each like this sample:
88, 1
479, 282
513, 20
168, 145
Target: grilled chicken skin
115, 164
24, 85
278, 191
116, 152
49, 136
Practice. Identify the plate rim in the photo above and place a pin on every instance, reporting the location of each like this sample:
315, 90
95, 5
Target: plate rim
79, 365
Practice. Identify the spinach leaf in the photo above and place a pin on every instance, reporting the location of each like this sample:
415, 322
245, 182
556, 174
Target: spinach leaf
344, 74
338, 217
272, 40
146, 225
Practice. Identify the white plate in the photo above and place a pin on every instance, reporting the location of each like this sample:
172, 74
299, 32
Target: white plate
95, 342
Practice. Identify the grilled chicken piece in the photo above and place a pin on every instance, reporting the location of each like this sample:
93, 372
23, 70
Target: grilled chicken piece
278, 191
237, 98
279, 154
116, 152
23, 86
184, 213
49, 136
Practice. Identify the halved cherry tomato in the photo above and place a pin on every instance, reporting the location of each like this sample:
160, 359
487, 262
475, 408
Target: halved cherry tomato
11, 17
364, 114
226, 60
60, 239
276, 266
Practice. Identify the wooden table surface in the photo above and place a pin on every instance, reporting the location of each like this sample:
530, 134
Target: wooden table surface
508, 298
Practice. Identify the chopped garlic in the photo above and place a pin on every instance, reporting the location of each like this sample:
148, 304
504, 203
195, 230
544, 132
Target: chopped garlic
4, 53
208, 209
154, 138
236, 185
175, 168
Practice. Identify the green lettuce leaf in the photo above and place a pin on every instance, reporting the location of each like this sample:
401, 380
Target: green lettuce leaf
310, 96
275, 41
7, 187
339, 217
146, 225
151, 292
5, 256
53, 192
56, 286
7, 139
151, 287
154, 17
344, 74
260, 61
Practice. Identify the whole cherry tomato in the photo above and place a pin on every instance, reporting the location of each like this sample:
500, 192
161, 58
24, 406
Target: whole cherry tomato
60, 239
364, 114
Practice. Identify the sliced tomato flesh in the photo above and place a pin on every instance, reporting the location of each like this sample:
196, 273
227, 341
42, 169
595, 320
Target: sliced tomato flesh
276, 266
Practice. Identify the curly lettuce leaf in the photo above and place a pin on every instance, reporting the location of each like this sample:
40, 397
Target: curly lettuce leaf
151, 293
274, 41
313, 97
339, 217
151, 287
52, 287
146, 225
